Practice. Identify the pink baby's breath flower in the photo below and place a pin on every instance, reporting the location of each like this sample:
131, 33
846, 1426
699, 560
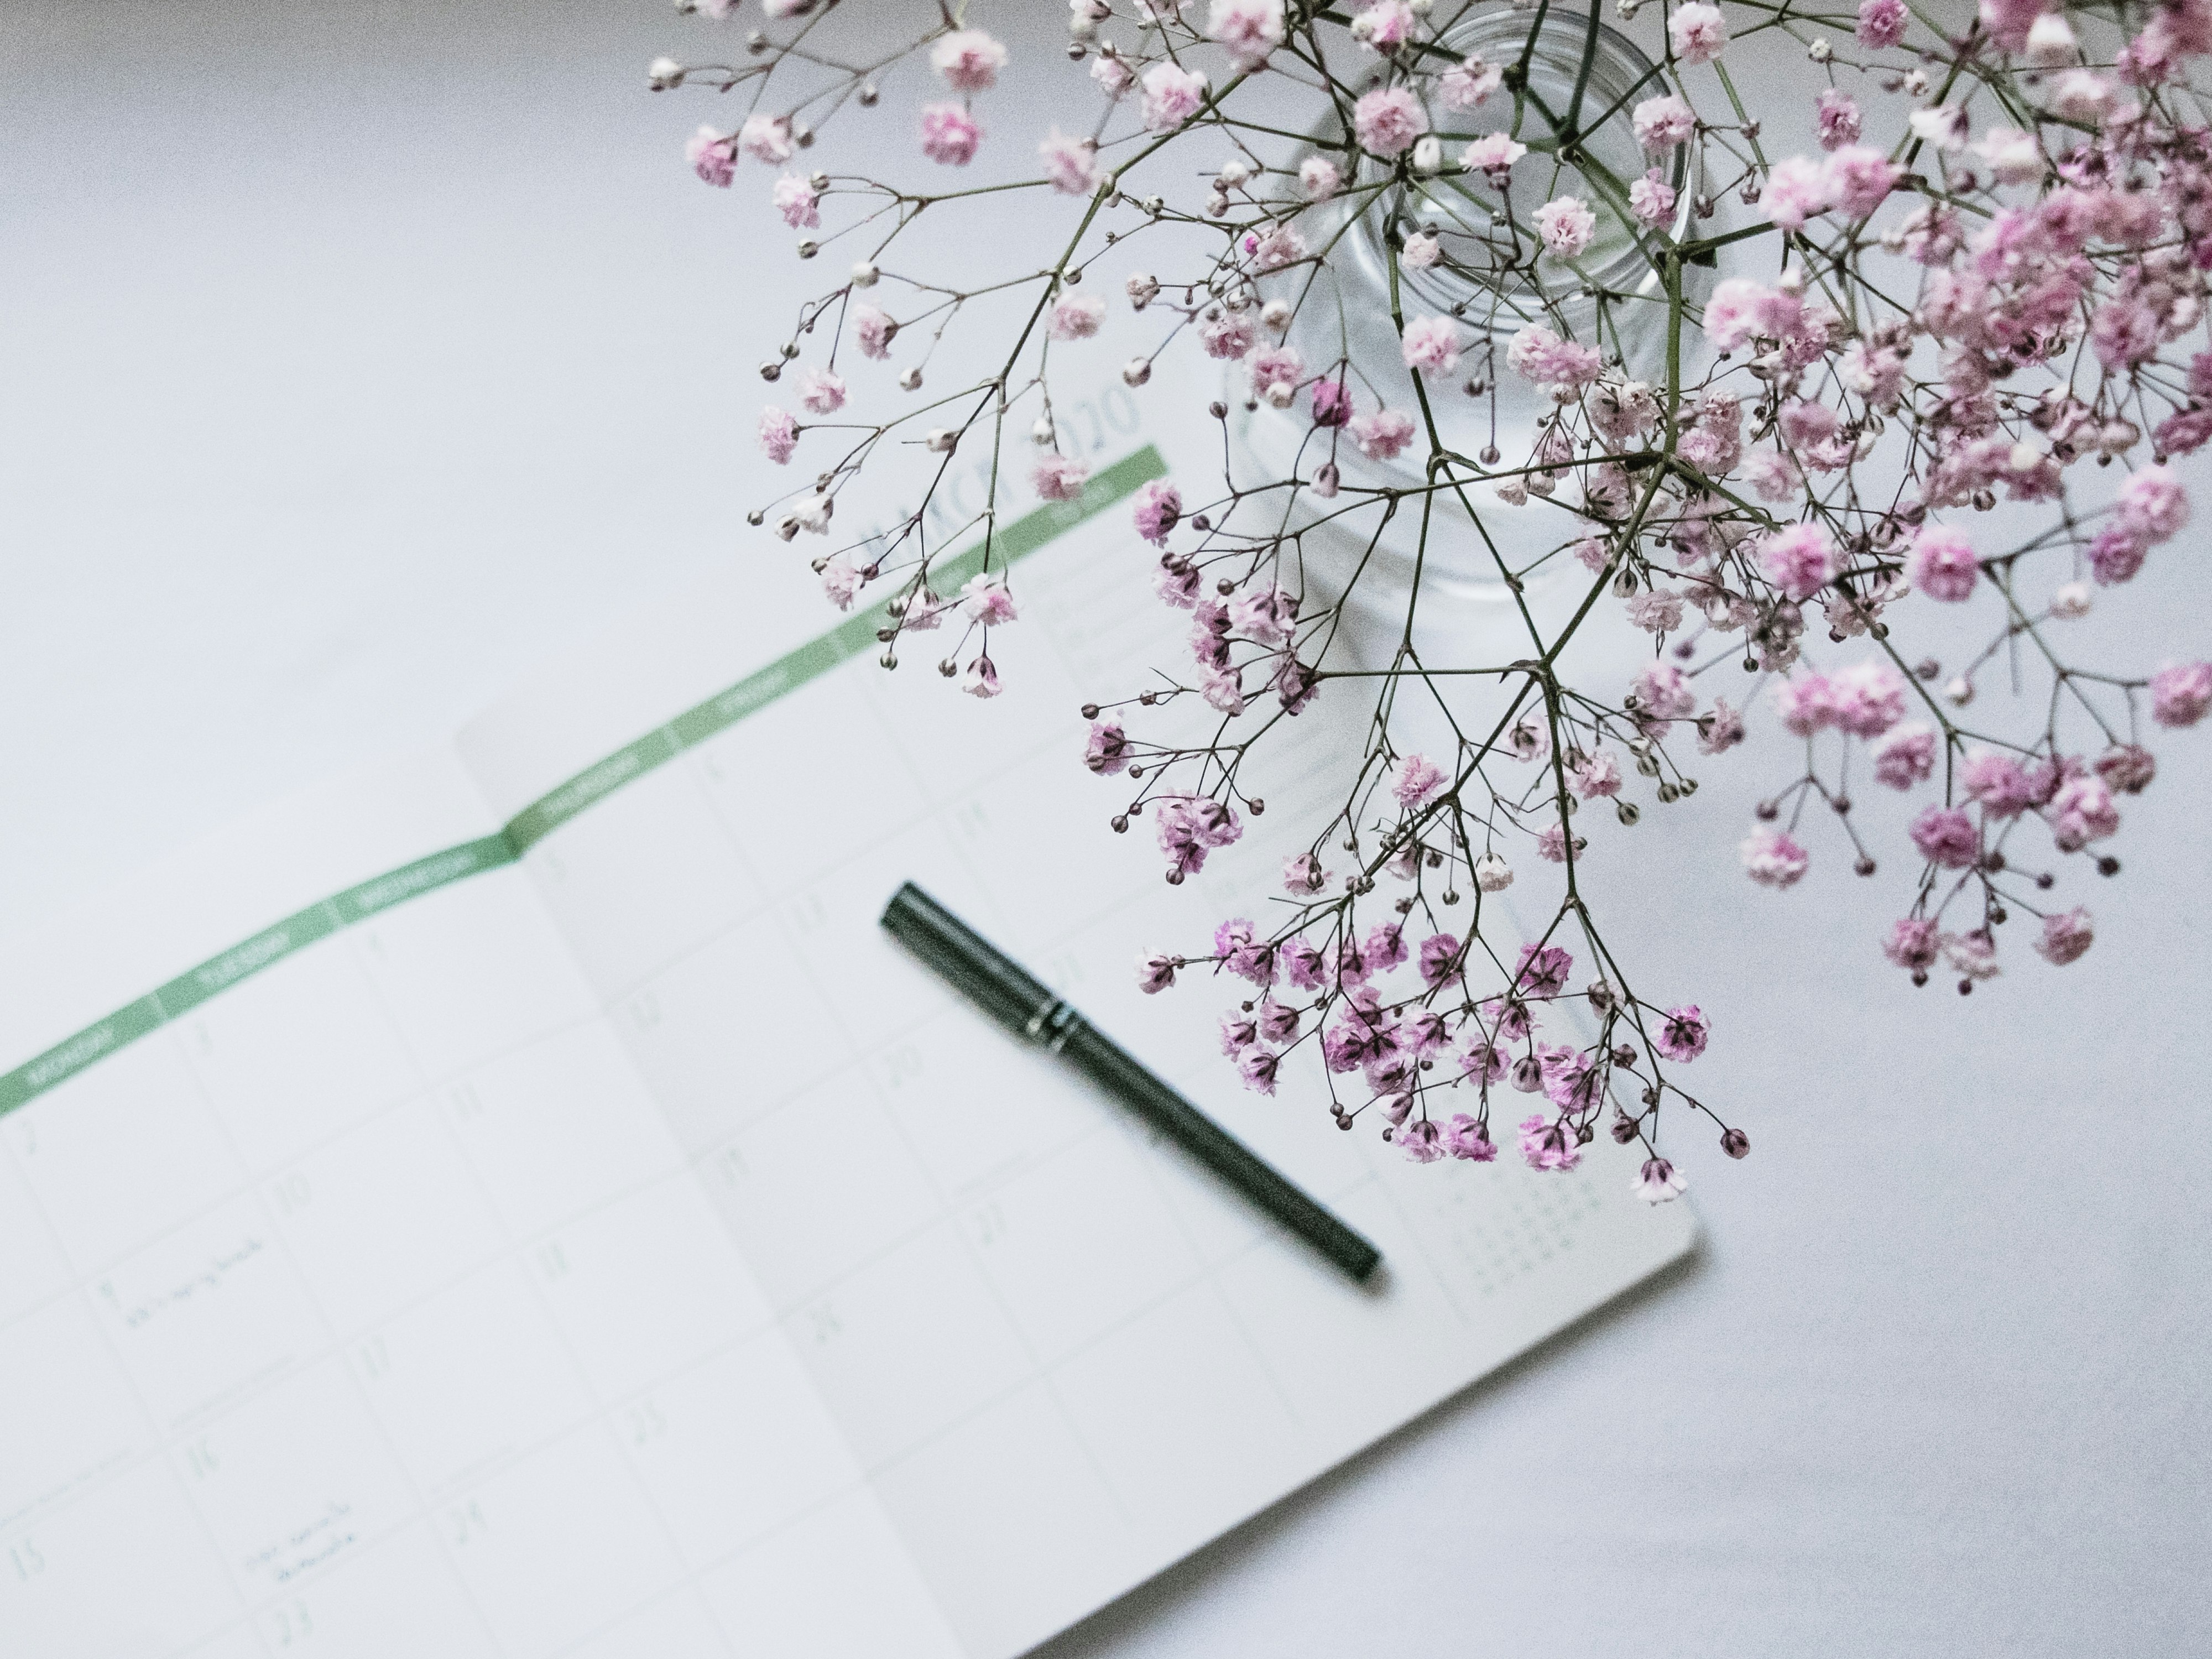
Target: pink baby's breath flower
1383, 25
1796, 191
949, 134
1772, 859
1697, 31
1548, 1146
985, 600
1157, 510
1432, 346
1662, 692
1662, 122
1465, 1138
1858, 180
779, 434
1805, 704
1382, 434
1906, 756
1658, 1181
797, 201
2083, 811
1059, 478
968, 59
1172, 96
1420, 252
766, 138
1077, 316
1071, 164
2153, 504
1652, 199
1106, 751
713, 156
1318, 178
1868, 698
1113, 76
1597, 777
1417, 779
1942, 564
1720, 731
1387, 121
1837, 116
1466, 85
2180, 694
1494, 154
2067, 936
1155, 972
874, 329
1912, 942
1799, 559
1567, 226
1882, 23
1683, 1033
1230, 336
1537, 354
1249, 30
1947, 838
822, 391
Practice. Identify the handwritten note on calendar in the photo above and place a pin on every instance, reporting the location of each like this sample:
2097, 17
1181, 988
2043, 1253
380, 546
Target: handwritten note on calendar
517, 1204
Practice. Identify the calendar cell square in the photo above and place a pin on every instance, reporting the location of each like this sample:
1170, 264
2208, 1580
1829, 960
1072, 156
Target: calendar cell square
735, 1447
839, 1584
818, 1187
472, 1378
476, 970
294, 1482
559, 1546
32, 1269
731, 1030
1080, 1243
123, 1151
559, 1126
399, 1181
72, 1412
396, 1597
646, 874
209, 1312
647, 1285
908, 1346
1010, 1524
126, 1573
1183, 1417
297, 1053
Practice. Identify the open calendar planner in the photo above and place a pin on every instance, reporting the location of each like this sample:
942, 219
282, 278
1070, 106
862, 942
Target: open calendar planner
519, 1203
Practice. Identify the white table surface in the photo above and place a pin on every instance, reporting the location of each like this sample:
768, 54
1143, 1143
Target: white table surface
355, 358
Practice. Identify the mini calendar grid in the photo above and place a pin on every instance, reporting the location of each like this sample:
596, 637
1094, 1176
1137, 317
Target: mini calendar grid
589, 1237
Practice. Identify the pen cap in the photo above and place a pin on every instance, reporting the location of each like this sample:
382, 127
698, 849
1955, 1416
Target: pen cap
994, 983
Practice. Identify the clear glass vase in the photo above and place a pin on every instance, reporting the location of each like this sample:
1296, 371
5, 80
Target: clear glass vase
1452, 575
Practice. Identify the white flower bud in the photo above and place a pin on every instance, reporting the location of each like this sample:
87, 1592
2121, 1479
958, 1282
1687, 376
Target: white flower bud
1141, 288
2071, 601
1233, 173
943, 440
1276, 313
1492, 874
910, 379
1961, 690
1041, 433
1429, 154
663, 73
2051, 41
2025, 457
814, 513
1821, 51
864, 274
1136, 371
1281, 394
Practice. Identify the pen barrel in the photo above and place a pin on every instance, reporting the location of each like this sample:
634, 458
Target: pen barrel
1108, 1064
1018, 1001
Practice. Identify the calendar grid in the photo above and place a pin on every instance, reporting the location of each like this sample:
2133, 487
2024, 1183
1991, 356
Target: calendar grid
1033, 529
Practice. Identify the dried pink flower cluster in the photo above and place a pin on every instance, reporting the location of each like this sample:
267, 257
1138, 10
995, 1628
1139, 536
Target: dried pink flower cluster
1982, 281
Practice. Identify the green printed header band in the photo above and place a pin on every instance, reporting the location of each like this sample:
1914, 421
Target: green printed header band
1032, 531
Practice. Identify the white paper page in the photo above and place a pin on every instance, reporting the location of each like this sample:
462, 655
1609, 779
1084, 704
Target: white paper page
1064, 1357
368, 1307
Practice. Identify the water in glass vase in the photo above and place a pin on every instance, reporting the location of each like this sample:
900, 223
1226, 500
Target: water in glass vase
1477, 543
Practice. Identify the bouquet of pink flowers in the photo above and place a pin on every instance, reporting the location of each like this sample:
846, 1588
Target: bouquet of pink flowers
1504, 298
